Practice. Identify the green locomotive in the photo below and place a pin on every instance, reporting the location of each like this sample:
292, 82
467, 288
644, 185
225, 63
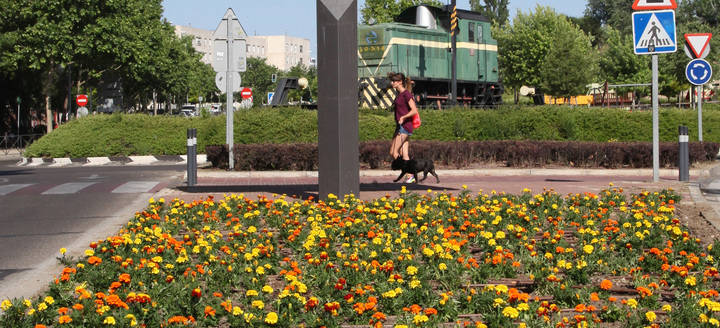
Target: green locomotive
418, 44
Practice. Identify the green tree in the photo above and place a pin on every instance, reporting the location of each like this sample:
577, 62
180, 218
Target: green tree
571, 62
384, 11
618, 62
524, 45
496, 10
614, 13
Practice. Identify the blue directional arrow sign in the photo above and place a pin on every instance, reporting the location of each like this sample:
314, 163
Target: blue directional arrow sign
698, 71
654, 32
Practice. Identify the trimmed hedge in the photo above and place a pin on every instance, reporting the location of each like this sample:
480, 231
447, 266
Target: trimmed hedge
139, 134
460, 154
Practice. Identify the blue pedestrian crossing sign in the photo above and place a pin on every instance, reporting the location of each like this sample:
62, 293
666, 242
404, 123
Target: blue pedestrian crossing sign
698, 71
654, 32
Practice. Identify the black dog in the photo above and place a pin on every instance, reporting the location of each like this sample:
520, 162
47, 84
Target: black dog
414, 166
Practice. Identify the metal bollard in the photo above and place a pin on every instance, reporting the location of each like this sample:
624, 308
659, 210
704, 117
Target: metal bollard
191, 157
683, 154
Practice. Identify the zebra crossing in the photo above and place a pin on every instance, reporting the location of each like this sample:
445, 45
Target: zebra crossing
129, 187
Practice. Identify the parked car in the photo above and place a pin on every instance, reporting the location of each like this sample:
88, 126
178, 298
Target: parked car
187, 112
215, 109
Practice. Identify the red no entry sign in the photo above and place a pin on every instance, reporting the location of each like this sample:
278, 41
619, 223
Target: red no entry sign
81, 100
246, 93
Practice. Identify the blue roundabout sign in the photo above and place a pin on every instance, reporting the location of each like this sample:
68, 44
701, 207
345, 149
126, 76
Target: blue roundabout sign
698, 71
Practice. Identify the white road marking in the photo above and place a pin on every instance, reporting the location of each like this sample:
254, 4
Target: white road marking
133, 187
68, 188
6, 189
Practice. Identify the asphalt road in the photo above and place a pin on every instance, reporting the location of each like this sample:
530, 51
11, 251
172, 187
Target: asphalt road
45, 209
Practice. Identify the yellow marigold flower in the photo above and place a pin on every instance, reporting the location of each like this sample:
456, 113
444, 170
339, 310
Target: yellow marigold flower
272, 318
667, 307
267, 289
6, 304
411, 270
650, 316
258, 304
42, 306
632, 303
498, 301
588, 249
442, 266
420, 318
260, 271
133, 320
703, 318
63, 251
510, 312
89, 252
714, 322
690, 281
236, 311
109, 321
400, 326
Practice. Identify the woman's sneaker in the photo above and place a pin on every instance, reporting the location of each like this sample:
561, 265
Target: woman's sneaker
410, 179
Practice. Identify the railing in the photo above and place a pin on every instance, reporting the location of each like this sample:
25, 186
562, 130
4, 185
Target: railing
11, 142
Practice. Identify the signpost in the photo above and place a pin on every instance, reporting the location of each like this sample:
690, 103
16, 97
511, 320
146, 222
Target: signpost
269, 97
654, 33
698, 72
246, 93
228, 60
81, 100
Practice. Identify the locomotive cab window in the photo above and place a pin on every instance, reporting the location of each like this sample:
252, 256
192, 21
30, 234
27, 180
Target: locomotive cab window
479, 33
471, 32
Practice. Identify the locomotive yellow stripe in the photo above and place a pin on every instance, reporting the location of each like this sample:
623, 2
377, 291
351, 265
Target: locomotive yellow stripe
440, 44
429, 44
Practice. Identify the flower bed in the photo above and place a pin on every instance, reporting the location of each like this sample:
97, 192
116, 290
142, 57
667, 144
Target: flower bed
430, 260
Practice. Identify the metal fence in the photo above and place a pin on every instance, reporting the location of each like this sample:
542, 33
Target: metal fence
10, 143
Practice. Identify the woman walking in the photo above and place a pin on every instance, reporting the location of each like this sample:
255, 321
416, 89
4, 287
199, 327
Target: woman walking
405, 110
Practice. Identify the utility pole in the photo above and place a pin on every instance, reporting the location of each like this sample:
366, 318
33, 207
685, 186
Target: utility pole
453, 49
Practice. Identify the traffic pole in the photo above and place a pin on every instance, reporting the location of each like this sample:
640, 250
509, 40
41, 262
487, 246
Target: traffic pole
699, 108
655, 120
683, 154
191, 157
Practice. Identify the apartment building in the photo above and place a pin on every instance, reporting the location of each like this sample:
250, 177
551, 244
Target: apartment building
281, 51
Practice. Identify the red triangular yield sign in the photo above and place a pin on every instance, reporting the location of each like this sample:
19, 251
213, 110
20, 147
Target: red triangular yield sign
654, 4
698, 42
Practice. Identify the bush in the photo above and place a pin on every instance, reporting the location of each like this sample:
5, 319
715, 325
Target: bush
461, 154
139, 134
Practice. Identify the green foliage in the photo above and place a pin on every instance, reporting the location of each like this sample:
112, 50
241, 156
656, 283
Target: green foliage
619, 64
124, 134
496, 10
384, 11
258, 76
571, 62
524, 45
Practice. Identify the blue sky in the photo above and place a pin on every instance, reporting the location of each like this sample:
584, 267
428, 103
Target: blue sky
297, 17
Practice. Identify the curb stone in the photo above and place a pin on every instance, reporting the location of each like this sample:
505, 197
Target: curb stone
110, 160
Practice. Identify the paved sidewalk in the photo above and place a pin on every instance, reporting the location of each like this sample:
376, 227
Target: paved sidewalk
378, 183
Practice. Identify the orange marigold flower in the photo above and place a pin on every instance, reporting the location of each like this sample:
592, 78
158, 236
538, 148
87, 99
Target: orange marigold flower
124, 278
78, 307
594, 297
63, 310
606, 284
64, 319
209, 311
178, 319
40, 326
196, 292
94, 260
